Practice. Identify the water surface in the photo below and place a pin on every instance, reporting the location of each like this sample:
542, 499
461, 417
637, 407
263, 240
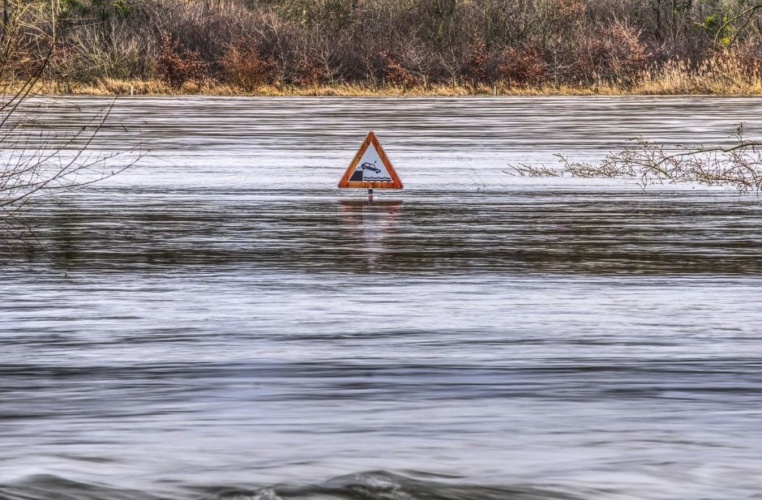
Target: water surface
221, 322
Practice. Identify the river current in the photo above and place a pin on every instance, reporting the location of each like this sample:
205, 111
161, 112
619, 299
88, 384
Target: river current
220, 321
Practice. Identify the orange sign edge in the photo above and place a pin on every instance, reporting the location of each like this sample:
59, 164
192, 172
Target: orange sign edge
346, 183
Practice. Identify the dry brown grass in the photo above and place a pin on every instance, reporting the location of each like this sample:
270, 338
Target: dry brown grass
718, 75
712, 77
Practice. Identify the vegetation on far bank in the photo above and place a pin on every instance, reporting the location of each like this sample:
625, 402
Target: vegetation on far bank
387, 47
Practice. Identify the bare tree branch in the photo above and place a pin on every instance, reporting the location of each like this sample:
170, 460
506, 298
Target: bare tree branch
36, 160
750, 11
738, 166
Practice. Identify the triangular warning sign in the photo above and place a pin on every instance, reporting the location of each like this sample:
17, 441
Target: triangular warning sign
370, 168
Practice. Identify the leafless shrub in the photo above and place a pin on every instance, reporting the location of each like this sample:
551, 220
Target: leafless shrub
26, 46
478, 65
244, 67
522, 65
526, 170
35, 158
95, 51
396, 74
177, 64
36, 161
649, 163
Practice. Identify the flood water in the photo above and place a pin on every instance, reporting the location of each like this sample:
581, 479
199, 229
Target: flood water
221, 322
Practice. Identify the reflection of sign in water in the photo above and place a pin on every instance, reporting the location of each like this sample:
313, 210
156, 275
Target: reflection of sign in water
367, 227
371, 168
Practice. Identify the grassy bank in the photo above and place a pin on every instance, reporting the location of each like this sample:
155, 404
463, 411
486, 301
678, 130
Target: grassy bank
158, 88
673, 80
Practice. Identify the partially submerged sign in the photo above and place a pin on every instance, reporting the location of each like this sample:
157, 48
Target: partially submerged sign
371, 168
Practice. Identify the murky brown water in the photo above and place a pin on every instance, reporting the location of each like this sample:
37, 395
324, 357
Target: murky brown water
221, 322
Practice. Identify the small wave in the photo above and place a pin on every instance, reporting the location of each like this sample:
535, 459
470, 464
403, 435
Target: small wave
376, 485
48, 487
265, 494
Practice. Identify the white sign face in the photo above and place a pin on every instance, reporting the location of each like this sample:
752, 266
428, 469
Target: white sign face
370, 168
